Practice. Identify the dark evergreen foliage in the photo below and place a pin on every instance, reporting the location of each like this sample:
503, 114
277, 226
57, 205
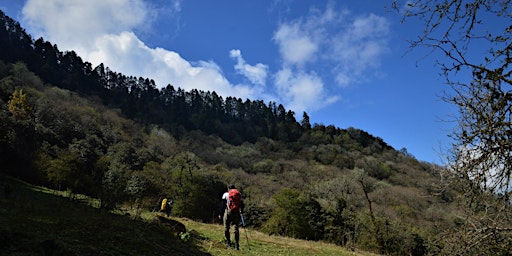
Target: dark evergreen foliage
234, 120
122, 140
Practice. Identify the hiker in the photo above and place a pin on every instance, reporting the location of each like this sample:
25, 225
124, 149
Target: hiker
166, 206
232, 207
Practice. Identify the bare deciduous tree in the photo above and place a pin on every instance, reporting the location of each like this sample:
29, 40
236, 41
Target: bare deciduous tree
474, 38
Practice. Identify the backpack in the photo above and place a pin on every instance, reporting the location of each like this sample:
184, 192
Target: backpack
234, 200
164, 205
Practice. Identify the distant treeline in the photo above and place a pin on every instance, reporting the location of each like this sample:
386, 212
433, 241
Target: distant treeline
176, 110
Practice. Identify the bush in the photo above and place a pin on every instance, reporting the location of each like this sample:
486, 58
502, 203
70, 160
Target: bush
295, 215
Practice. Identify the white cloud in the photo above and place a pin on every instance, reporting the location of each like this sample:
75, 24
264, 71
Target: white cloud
489, 169
257, 74
296, 46
76, 23
302, 91
102, 32
133, 57
327, 43
322, 48
358, 49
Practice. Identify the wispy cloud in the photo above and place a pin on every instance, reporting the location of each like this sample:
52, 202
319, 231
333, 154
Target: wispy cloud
358, 49
295, 45
327, 45
257, 74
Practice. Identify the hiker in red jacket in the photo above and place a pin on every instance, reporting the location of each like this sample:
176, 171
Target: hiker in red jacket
232, 207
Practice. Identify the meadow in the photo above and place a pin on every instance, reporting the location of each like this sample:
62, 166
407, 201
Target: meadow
36, 220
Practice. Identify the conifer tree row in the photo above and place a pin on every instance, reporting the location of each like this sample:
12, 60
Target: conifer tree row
233, 119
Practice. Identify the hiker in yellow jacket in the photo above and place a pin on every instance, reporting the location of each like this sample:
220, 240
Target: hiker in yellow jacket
166, 206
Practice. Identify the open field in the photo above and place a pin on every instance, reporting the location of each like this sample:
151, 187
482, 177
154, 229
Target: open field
36, 220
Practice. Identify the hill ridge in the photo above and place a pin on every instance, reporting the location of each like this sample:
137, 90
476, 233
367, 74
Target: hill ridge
233, 119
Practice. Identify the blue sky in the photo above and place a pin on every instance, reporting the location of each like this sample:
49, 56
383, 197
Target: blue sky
343, 62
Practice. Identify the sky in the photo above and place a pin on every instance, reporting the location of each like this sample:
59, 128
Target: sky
345, 63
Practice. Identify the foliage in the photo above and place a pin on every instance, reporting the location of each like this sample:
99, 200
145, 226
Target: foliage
37, 221
123, 141
18, 105
112, 188
295, 215
474, 38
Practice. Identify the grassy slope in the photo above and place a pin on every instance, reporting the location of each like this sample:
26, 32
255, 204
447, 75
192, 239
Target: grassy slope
256, 243
32, 218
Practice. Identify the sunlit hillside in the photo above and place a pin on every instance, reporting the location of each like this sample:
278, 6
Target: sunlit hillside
68, 126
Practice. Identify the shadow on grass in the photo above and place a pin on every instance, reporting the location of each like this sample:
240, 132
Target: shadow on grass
33, 222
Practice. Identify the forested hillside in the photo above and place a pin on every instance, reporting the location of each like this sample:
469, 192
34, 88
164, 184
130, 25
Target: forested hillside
70, 126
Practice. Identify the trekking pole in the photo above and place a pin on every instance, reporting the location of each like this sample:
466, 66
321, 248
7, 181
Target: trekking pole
245, 229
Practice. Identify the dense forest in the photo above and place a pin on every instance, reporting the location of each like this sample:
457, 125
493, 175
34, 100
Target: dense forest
70, 126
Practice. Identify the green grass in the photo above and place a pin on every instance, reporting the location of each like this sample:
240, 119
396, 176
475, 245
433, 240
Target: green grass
253, 242
32, 218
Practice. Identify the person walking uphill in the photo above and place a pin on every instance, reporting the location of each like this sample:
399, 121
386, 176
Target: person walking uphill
166, 206
232, 207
